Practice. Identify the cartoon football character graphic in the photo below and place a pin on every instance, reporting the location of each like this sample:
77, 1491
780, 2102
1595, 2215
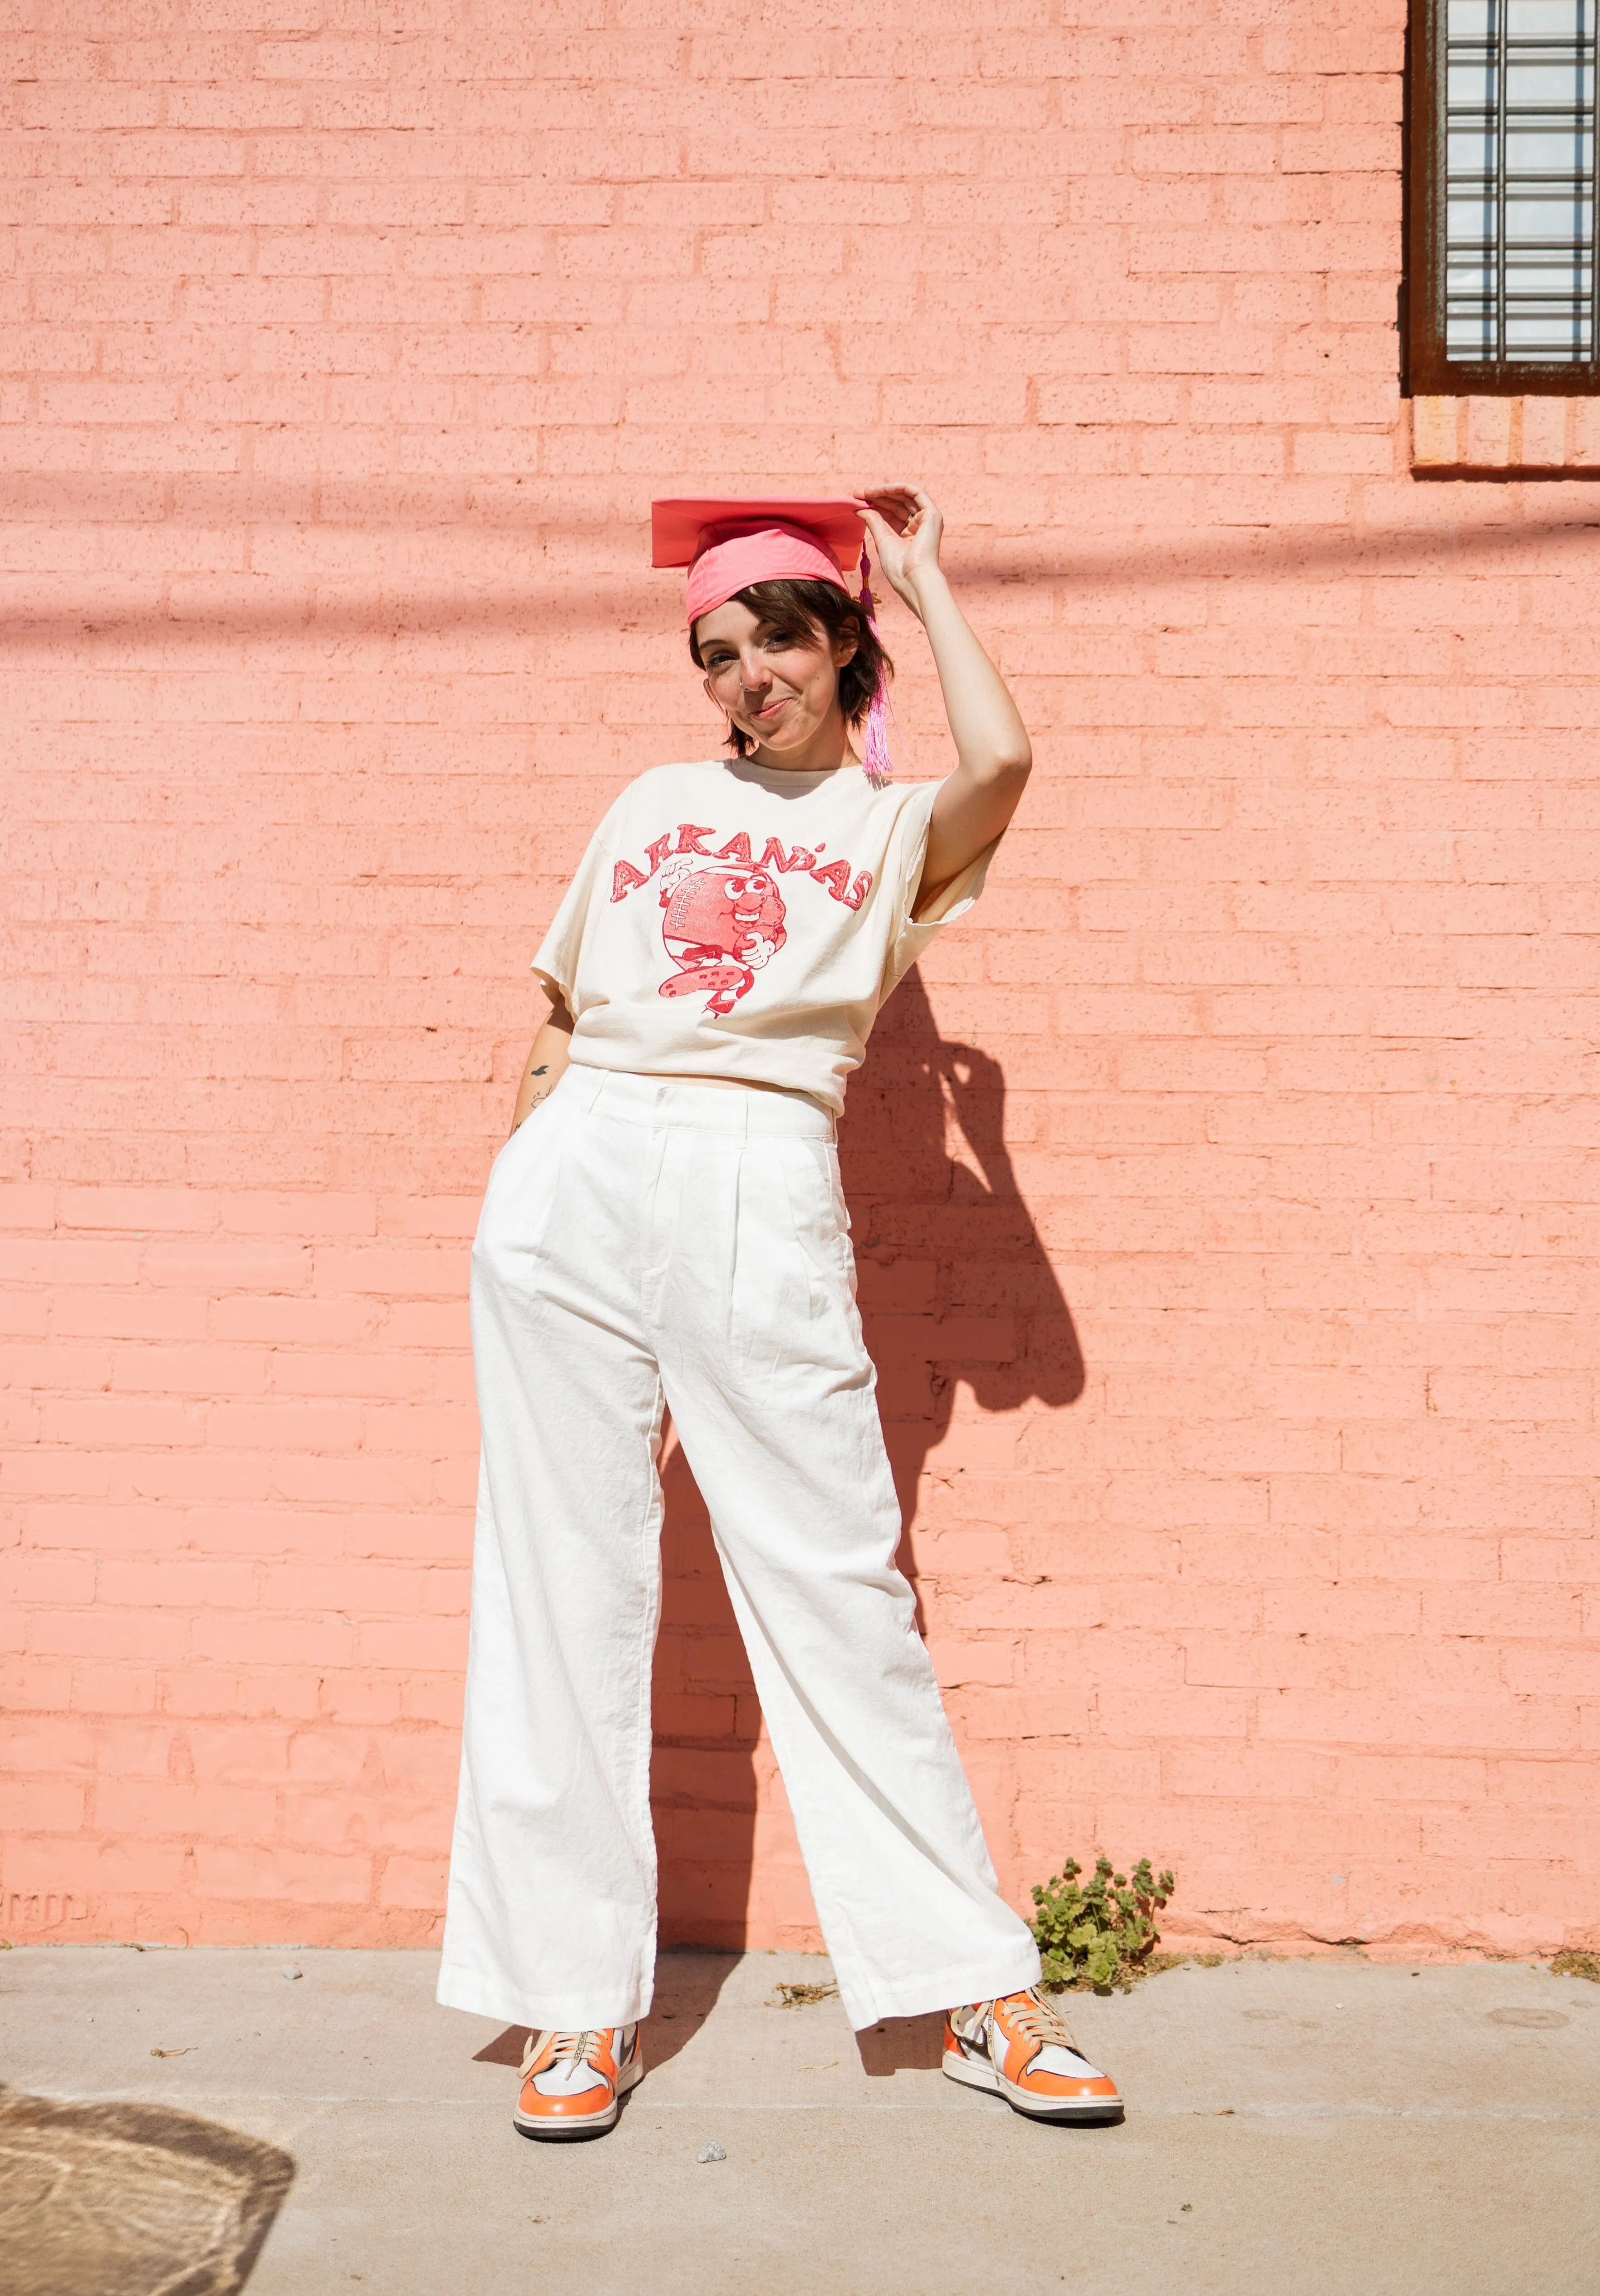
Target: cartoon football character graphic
721, 926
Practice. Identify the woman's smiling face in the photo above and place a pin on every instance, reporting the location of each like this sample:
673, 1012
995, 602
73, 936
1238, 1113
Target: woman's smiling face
779, 681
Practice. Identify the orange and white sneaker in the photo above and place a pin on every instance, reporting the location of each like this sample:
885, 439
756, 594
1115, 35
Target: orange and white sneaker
1021, 2048
573, 2084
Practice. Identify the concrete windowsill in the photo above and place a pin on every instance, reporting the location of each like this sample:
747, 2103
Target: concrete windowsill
1534, 437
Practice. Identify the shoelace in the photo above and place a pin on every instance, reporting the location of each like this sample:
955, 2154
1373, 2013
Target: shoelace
1039, 2022
581, 2047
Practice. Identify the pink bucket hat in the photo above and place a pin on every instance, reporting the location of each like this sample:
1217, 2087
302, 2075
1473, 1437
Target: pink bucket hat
728, 543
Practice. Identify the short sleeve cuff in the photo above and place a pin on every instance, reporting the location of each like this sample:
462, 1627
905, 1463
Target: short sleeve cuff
952, 900
558, 990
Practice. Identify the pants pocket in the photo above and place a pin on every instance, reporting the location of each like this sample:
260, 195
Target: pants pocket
819, 1241
524, 1183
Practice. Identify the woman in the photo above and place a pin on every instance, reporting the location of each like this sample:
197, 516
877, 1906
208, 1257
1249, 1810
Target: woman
665, 1228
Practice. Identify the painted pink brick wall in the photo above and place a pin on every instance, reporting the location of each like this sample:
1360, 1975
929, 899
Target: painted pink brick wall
340, 350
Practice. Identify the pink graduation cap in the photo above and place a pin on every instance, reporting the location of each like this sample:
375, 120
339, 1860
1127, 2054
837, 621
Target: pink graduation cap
728, 543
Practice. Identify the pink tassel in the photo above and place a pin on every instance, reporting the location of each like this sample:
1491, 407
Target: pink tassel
876, 763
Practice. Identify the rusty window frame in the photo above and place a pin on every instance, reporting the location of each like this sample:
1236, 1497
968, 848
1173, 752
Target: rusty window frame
1429, 368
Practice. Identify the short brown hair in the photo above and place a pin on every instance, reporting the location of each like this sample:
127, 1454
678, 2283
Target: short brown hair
808, 607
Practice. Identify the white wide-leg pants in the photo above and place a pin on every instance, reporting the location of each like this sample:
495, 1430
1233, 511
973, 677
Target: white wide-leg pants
644, 1241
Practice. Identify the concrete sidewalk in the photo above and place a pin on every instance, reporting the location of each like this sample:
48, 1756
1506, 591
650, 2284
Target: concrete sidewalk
1293, 2128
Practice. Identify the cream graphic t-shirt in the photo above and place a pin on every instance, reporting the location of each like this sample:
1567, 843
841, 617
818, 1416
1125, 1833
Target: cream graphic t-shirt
730, 920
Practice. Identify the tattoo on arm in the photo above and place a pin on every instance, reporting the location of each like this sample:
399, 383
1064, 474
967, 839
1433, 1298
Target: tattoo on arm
536, 1099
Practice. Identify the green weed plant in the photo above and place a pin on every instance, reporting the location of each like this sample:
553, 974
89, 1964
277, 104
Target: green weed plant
1101, 1937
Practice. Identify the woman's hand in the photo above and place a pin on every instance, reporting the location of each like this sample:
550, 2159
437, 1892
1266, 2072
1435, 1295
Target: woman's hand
906, 528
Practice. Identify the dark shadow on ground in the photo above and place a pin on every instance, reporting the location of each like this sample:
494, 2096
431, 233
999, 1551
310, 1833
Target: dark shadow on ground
116, 2200
902, 2044
955, 1288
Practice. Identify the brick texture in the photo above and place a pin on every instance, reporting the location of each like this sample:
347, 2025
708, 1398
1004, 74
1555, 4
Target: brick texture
1498, 437
1227, 1193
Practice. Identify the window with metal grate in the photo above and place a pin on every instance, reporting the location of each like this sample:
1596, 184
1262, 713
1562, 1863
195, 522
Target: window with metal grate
1501, 197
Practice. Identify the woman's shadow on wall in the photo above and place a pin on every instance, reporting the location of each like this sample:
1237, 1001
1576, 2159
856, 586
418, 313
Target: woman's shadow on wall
956, 1290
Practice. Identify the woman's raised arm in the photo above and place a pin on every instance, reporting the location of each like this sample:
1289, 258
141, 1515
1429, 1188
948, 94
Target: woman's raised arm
993, 756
